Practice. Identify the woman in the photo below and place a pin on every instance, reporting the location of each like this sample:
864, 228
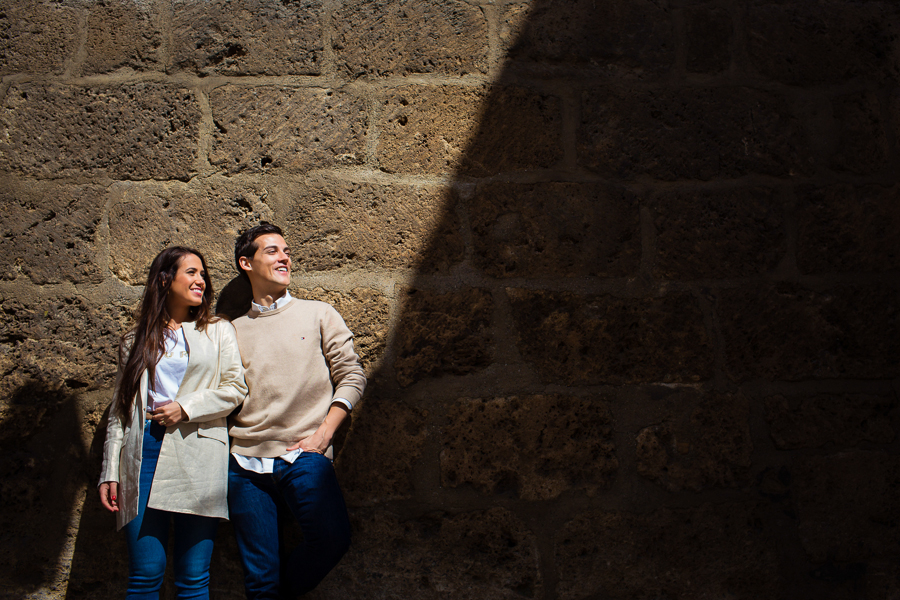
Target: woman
166, 450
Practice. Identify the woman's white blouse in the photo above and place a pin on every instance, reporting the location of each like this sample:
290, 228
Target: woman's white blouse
169, 370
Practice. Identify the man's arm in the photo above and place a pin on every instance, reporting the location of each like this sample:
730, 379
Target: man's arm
321, 438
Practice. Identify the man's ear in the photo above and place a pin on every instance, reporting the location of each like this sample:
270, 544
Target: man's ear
245, 263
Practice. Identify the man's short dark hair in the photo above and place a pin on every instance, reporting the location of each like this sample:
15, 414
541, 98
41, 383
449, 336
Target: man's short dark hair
245, 244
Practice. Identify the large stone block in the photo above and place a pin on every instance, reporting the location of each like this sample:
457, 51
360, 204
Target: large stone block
594, 339
714, 551
555, 229
333, 224
844, 420
631, 36
701, 442
269, 128
443, 334
397, 37
38, 37
709, 31
470, 130
437, 556
792, 333
131, 131
48, 233
532, 447
717, 234
248, 37
690, 134
120, 34
862, 143
848, 229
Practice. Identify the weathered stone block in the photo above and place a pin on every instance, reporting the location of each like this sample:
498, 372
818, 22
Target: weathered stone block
270, 128
534, 447
555, 229
473, 131
792, 333
862, 144
248, 37
580, 340
689, 134
396, 37
849, 229
717, 234
709, 32
702, 442
714, 551
469, 556
443, 334
847, 505
843, 420
48, 232
133, 131
122, 33
333, 224
635, 36
38, 37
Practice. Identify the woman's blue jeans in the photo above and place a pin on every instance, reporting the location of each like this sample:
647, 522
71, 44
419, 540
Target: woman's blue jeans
148, 536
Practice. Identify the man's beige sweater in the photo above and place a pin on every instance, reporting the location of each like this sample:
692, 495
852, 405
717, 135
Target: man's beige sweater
298, 358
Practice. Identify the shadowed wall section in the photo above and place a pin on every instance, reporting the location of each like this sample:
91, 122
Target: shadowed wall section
623, 275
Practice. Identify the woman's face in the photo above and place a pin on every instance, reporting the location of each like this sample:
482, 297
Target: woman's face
188, 285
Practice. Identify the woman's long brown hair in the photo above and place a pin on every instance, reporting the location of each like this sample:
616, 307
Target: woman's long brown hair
146, 343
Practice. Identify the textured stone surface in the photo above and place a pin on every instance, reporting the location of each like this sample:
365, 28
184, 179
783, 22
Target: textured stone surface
248, 37
271, 128
702, 442
581, 340
135, 131
333, 224
468, 556
532, 447
122, 33
709, 31
49, 233
36, 37
844, 420
443, 334
714, 551
788, 332
847, 505
399, 37
474, 131
689, 134
862, 144
848, 229
555, 229
715, 234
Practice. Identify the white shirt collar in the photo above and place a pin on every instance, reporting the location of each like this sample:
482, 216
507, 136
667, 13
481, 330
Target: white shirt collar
283, 301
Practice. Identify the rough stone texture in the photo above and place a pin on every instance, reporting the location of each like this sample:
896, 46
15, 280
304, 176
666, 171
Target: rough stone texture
48, 233
714, 551
717, 234
468, 556
689, 134
36, 37
531, 447
844, 420
269, 128
847, 505
580, 340
792, 333
333, 224
134, 131
862, 144
848, 229
702, 442
248, 37
145, 218
630, 36
823, 41
474, 131
709, 31
401, 37
555, 229
443, 334
122, 33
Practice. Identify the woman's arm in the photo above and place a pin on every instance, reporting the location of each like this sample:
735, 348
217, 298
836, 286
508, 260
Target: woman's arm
209, 404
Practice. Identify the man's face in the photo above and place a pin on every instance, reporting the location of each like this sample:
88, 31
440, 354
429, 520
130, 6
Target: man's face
270, 268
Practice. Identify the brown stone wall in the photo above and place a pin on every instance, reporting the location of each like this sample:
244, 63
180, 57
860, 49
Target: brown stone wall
623, 275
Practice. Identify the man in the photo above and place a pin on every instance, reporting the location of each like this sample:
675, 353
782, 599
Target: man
304, 378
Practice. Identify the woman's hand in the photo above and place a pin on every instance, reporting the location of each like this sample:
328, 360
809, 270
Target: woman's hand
168, 415
109, 495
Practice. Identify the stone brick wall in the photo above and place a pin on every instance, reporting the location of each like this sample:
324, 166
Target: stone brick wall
623, 274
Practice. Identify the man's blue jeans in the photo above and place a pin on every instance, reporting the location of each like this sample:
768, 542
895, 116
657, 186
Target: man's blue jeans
148, 535
308, 488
